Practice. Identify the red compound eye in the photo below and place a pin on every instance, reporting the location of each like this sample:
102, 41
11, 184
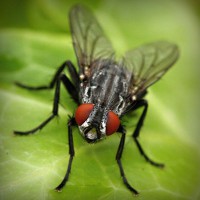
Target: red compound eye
112, 124
83, 112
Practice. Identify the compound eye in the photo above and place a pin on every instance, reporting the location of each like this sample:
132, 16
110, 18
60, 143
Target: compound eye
112, 124
83, 112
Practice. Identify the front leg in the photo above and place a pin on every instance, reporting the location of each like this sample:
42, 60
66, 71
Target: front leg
71, 153
118, 158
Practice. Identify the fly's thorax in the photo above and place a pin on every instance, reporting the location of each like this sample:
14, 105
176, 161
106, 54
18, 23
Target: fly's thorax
105, 95
108, 85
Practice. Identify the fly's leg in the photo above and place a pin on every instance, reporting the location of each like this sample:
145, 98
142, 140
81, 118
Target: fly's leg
74, 83
71, 70
143, 103
118, 159
56, 81
71, 123
54, 113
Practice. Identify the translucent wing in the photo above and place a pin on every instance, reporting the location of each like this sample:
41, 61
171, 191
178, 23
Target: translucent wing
149, 63
89, 41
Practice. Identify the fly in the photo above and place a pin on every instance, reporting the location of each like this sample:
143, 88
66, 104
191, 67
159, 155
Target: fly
104, 88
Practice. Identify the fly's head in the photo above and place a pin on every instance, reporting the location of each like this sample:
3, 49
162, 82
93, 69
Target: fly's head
96, 122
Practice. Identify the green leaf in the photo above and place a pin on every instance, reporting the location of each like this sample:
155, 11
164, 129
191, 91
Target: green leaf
32, 166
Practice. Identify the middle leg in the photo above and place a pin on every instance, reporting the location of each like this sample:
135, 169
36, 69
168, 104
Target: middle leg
69, 86
143, 103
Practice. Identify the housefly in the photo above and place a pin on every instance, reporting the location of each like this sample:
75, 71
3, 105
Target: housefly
104, 88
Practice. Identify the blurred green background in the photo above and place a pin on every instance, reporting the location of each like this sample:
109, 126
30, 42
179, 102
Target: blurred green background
34, 41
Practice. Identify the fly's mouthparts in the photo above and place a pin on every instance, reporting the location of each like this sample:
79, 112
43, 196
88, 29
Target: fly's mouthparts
92, 134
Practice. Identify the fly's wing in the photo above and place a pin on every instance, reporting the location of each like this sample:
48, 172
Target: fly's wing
89, 41
149, 63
